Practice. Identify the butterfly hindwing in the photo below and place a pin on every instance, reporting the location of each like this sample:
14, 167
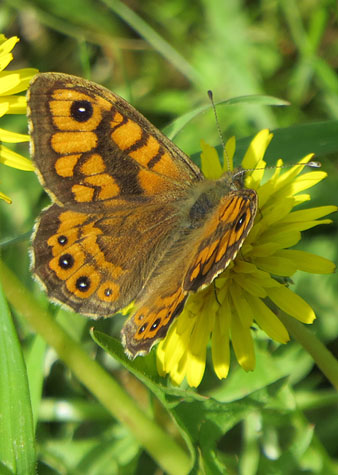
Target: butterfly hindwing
86, 261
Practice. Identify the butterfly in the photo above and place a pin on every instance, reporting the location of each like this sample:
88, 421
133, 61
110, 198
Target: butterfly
132, 218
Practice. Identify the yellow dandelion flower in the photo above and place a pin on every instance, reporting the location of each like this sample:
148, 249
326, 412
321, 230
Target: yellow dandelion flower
226, 310
12, 83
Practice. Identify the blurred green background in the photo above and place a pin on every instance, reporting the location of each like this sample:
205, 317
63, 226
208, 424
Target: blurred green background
163, 57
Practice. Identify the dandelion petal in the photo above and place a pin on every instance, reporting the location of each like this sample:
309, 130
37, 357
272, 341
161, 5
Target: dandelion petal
292, 304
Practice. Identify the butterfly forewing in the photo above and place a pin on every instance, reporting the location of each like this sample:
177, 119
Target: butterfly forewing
101, 151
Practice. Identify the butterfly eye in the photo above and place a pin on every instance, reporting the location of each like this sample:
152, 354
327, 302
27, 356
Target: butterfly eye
81, 110
240, 222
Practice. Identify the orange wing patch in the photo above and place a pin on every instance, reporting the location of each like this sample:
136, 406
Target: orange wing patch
73, 142
151, 183
65, 264
61, 109
83, 194
109, 291
109, 188
145, 153
84, 282
93, 164
87, 192
127, 134
70, 219
165, 164
64, 166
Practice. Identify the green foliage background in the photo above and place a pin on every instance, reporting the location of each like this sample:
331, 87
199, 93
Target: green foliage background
163, 57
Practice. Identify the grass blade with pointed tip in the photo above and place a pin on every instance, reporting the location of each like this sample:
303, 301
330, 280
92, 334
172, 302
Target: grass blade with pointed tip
177, 125
17, 446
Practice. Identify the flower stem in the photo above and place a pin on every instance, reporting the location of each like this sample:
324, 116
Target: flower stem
164, 450
321, 355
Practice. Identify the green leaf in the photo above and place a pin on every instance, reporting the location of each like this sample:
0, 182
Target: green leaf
293, 143
17, 447
145, 370
202, 420
35, 365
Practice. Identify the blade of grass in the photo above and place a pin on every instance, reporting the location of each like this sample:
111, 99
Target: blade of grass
154, 39
164, 450
321, 355
35, 363
17, 446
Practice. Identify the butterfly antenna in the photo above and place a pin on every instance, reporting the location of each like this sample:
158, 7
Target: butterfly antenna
211, 98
